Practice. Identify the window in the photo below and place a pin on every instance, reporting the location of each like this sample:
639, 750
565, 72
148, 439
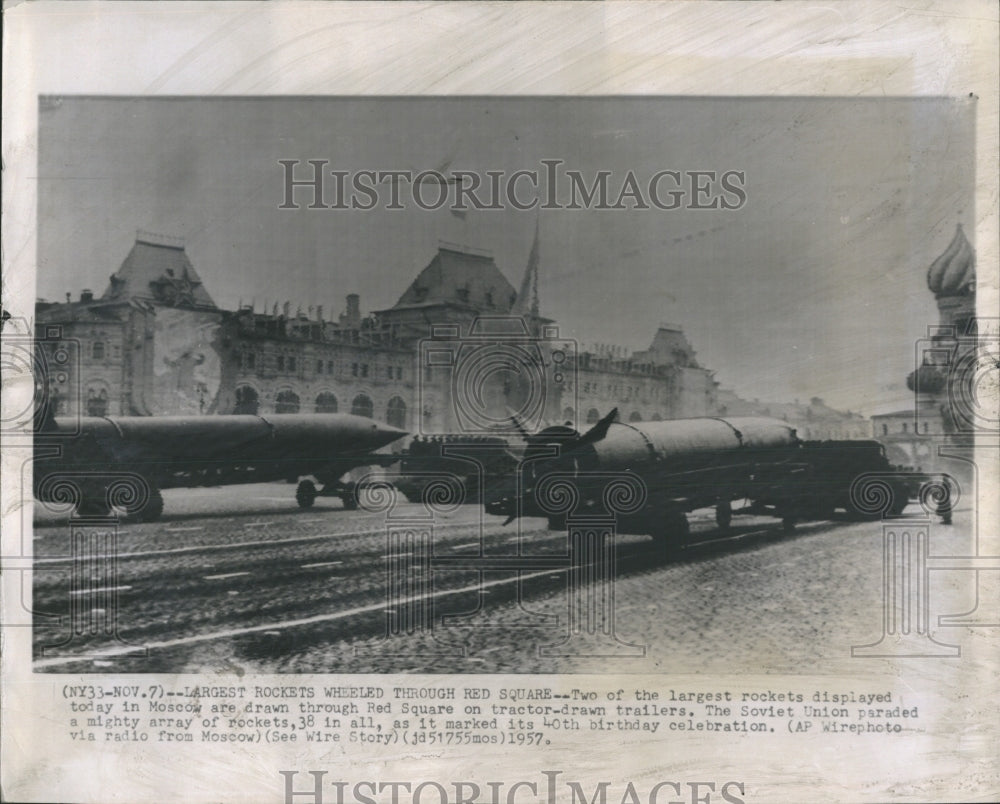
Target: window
97, 350
329, 367
326, 403
635, 416
291, 364
281, 362
904, 427
354, 369
569, 415
593, 416
319, 366
885, 429
247, 401
399, 372
362, 406
286, 402
364, 369
396, 413
389, 371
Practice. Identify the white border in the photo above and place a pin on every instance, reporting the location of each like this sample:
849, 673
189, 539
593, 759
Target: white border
684, 48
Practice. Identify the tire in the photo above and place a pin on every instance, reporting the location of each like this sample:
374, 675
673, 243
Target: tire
305, 494
350, 497
723, 515
152, 510
900, 499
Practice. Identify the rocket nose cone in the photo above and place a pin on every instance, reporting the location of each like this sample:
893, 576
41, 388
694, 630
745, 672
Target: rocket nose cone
386, 433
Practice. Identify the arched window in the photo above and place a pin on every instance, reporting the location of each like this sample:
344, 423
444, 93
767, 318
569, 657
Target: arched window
97, 350
635, 416
569, 415
97, 402
395, 415
247, 401
326, 403
657, 417
363, 406
593, 416
286, 402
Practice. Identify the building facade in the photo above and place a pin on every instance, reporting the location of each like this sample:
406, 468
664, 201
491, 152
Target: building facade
813, 420
907, 441
155, 343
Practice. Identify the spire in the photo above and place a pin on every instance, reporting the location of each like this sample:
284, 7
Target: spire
527, 298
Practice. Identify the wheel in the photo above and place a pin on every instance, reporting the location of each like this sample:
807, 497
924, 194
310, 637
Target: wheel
152, 509
723, 515
305, 494
350, 497
900, 499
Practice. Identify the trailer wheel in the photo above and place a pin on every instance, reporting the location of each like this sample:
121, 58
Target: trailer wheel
305, 494
349, 497
900, 499
723, 515
152, 509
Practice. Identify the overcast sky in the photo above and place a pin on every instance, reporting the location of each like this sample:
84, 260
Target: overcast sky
814, 287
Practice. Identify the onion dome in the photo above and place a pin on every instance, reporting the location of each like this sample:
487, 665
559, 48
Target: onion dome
927, 379
954, 272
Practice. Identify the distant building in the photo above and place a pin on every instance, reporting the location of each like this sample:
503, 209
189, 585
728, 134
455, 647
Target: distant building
813, 421
907, 441
662, 382
156, 343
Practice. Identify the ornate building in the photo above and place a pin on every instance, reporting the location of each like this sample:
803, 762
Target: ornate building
155, 343
662, 382
150, 345
944, 382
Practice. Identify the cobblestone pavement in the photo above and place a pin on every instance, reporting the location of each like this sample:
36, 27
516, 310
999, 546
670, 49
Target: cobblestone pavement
240, 579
